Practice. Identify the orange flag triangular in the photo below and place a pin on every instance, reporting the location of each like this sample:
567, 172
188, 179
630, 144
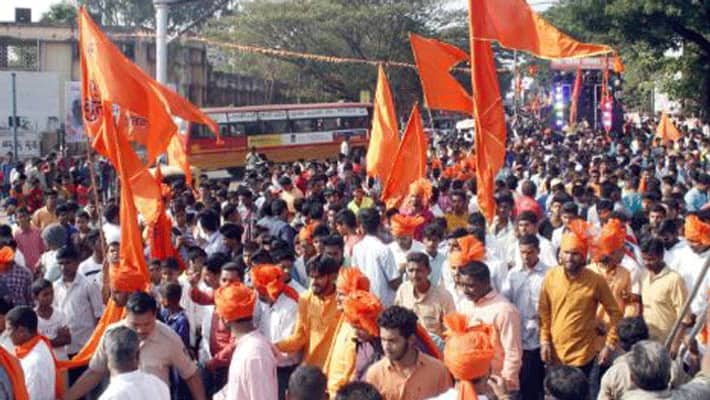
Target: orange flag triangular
489, 118
515, 25
177, 157
384, 136
409, 162
434, 61
666, 130
575, 97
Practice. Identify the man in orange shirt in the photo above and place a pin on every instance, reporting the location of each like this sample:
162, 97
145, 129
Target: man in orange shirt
317, 314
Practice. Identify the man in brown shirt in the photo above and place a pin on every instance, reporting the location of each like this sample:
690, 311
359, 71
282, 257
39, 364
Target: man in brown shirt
405, 373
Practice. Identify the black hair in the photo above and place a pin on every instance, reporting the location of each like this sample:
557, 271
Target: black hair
358, 390
278, 206
566, 383
570, 207
5, 306
231, 231
652, 246
370, 220
333, 240
321, 230
419, 258
402, 319
170, 263
111, 212
477, 270
529, 240
504, 197
261, 257
279, 255
323, 266
433, 230
195, 252
315, 210
237, 266
631, 330
171, 291
39, 285
23, 316
477, 219
215, 261
346, 217
68, 252
307, 383
141, 303
209, 220
528, 216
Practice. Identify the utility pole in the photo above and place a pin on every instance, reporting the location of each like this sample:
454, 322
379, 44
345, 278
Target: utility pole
161, 40
14, 116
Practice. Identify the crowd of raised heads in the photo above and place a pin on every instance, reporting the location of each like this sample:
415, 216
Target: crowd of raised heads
296, 281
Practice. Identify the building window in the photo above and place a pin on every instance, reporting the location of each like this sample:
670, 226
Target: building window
19, 55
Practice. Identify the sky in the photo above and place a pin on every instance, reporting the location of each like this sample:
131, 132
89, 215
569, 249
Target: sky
538, 5
7, 8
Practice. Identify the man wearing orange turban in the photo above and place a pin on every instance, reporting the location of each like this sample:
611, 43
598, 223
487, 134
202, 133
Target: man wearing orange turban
467, 355
275, 314
252, 371
340, 362
403, 228
417, 205
462, 250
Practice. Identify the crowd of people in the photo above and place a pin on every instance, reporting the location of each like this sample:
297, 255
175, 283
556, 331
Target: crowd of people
297, 282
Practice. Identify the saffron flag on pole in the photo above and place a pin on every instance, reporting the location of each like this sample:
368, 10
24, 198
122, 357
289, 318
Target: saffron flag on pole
177, 157
434, 61
489, 117
666, 130
384, 136
409, 162
514, 25
575, 97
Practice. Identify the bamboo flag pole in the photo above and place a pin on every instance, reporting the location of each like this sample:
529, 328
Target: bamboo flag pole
686, 306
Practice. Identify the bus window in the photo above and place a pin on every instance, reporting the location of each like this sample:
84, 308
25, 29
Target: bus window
327, 124
354, 123
240, 128
304, 125
273, 126
199, 131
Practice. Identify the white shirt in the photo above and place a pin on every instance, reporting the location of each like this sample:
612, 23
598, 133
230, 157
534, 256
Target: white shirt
193, 311
345, 148
522, 288
38, 367
548, 255
498, 270
136, 385
453, 394
376, 261
436, 264
689, 264
82, 304
204, 353
276, 322
400, 255
49, 328
252, 371
215, 244
557, 238
91, 270
48, 259
635, 272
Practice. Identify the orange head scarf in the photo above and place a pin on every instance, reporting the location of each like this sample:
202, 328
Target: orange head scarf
351, 279
611, 238
269, 280
404, 225
361, 310
696, 230
234, 301
306, 233
471, 249
421, 188
468, 352
576, 238
125, 279
7, 256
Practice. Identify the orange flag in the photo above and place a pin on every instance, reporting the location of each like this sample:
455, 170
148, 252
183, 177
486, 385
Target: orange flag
177, 157
434, 61
384, 137
515, 25
489, 118
575, 97
410, 161
666, 130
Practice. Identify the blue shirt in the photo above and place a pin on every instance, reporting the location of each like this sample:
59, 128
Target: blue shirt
695, 199
177, 322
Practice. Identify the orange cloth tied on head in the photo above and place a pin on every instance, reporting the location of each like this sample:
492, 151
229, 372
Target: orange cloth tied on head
696, 230
234, 301
125, 279
576, 238
421, 188
404, 225
306, 233
351, 279
7, 256
361, 309
269, 280
611, 238
468, 352
470, 249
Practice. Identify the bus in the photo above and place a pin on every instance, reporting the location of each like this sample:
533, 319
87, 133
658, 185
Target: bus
283, 133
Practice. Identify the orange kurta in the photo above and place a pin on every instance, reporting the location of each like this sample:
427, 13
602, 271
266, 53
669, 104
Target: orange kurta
314, 330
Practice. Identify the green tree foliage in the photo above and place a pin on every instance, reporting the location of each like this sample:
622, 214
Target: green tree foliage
644, 30
60, 13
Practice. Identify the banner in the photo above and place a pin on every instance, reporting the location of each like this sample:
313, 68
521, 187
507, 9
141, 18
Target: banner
73, 122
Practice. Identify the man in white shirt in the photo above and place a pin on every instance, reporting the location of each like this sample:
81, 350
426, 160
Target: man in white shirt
92, 267
127, 381
527, 224
79, 300
403, 228
375, 259
213, 240
34, 353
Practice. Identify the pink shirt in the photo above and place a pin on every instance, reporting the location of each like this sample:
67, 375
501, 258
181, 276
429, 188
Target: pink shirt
496, 310
30, 244
252, 371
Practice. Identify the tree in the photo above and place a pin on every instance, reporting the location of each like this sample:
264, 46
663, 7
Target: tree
60, 13
644, 30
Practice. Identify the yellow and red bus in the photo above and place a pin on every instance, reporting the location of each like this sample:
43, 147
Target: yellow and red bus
281, 132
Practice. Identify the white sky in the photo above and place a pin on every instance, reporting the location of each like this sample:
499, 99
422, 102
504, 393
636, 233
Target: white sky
7, 8
538, 5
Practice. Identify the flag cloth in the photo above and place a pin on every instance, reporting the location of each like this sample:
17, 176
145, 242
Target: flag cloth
177, 157
515, 25
112, 314
489, 121
384, 136
575, 97
15, 375
434, 61
666, 130
410, 160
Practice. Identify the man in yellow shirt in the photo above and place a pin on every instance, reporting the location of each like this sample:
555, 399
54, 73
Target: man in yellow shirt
457, 217
317, 314
48, 214
569, 300
360, 200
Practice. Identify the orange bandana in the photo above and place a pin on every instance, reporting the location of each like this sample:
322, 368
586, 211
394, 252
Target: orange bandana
7, 257
421, 188
13, 369
351, 279
234, 301
468, 352
269, 280
471, 249
361, 309
576, 238
125, 279
611, 238
696, 230
403, 225
24, 349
